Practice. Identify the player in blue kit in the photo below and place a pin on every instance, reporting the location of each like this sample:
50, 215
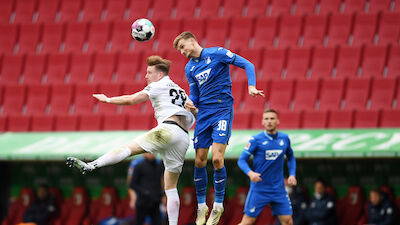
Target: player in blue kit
268, 149
210, 92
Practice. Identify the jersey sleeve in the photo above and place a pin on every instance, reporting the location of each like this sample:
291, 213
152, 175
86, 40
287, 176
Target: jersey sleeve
151, 90
245, 155
194, 89
291, 161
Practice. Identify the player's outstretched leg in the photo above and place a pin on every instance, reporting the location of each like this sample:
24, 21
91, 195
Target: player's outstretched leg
79, 164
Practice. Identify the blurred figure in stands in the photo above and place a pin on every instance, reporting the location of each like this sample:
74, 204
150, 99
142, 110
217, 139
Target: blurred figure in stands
146, 182
322, 207
43, 209
380, 209
299, 203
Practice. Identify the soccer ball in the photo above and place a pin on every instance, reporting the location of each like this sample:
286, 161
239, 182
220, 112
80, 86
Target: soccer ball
142, 30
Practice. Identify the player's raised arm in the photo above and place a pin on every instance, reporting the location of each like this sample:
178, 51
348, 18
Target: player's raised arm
133, 99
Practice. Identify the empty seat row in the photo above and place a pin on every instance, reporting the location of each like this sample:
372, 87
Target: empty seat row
26, 11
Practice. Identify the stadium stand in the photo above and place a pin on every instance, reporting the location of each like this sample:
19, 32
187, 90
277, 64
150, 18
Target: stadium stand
7, 42
52, 36
314, 119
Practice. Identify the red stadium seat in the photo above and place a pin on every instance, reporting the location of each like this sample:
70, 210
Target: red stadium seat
60, 99
339, 29
382, 93
114, 122
209, 8
188, 206
390, 118
340, 119
3, 123
273, 62
305, 95
196, 26
81, 65
177, 67
104, 67
281, 94
238, 202
357, 93
314, 30
256, 103
24, 10
364, 28
90, 122
11, 69
241, 120
374, 61
329, 6
7, 42
289, 31
393, 65
92, 10
42, 123
120, 40
348, 61
256, 8
77, 207
366, 119
18, 123
57, 68
185, 9
238, 91
28, 38
305, 7
14, 98
217, 31
107, 204
265, 31
66, 123
69, 10
84, 101
138, 8
6, 7
323, 62
389, 28
240, 38
51, 38
110, 90
1, 94
352, 206
127, 67
167, 31
331, 94
233, 8
138, 121
37, 99
254, 56
289, 120
47, 11
298, 62
124, 210
279, 7
376, 6
75, 35
34, 69
162, 9
115, 10
351, 6
315, 119
396, 6
98, 36
17, 208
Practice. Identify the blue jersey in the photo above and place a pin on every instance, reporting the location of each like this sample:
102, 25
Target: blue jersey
268, 158
209, 77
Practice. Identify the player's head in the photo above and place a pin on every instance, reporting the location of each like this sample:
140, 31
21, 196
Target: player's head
270, 120
186, 43
375, 196
42, 191
157, 68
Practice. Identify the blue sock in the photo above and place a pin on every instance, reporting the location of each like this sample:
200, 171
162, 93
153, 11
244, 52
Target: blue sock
219, 184
200, 182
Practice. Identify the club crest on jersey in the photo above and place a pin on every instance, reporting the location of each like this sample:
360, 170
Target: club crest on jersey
203, 76
272, 154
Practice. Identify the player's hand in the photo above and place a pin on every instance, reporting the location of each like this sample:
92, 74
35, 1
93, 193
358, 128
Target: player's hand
101, 97
254, 92
255, 177
189, 105
292, 180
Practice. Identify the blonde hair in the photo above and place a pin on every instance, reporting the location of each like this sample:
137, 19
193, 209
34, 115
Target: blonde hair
184, 35
159, 63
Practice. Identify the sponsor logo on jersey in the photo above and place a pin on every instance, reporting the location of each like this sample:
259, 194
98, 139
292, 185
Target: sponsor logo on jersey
272, 154
203, 76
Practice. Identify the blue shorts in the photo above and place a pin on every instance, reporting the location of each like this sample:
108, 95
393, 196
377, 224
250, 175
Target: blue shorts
213, 126
256, 201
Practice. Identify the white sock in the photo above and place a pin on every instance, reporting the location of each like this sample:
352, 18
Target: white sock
172, 206
111, 157
217, 205
201, 205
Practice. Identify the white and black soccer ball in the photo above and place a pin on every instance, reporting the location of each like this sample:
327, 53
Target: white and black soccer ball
143, 30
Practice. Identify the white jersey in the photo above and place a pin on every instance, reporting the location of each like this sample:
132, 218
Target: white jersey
168, 99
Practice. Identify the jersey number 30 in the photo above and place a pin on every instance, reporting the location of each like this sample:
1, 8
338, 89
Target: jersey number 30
177, 94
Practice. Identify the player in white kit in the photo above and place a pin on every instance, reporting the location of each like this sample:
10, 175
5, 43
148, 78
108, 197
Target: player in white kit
169, 138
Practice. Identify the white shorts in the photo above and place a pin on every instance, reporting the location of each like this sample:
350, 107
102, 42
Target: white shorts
168, 140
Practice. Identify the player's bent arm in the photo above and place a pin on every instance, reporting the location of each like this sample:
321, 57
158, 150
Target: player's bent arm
133, 99
248, 67
242, 162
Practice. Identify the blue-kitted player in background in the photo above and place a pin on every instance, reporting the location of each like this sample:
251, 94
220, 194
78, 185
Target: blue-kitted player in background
268, 149
210, 92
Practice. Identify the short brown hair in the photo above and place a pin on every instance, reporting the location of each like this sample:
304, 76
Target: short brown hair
270, 110
184, 35
159, 63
